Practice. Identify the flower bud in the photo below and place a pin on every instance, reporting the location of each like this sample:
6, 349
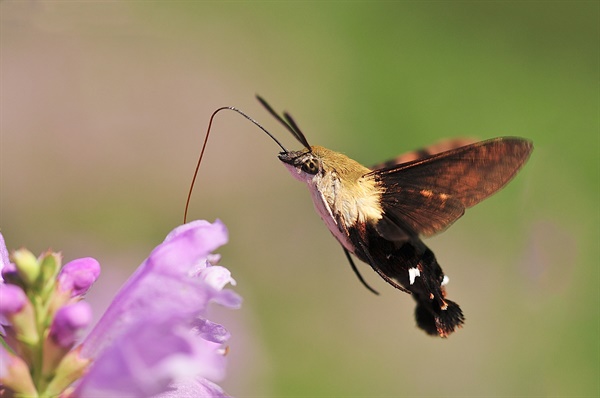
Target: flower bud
10, 274
14, 374
18, 311
78, 276
49, 267
12, 299
69, 370
27, 265
68, 323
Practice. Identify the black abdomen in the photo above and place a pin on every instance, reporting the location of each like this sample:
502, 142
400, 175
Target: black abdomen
414, 267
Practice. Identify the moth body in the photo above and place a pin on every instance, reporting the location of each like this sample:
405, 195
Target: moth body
380, 214
348, 198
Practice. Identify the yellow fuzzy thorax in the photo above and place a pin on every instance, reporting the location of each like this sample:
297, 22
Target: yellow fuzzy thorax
345, 167
352, 195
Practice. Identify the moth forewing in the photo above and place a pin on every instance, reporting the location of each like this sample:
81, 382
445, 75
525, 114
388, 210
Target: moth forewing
470, 173
426, 196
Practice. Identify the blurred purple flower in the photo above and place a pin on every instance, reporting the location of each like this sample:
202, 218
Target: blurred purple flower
148, 342
152, 341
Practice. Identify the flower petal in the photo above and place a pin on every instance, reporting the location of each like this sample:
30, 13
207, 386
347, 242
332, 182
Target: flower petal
148, 359
4, 260
146, 340
162, 285
196, 388
217, 276
211, 331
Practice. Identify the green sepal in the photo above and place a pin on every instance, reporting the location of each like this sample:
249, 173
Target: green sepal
50, 265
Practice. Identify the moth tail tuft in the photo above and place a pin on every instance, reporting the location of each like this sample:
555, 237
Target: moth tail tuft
439, 322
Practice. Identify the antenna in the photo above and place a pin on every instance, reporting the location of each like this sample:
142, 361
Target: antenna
287, 121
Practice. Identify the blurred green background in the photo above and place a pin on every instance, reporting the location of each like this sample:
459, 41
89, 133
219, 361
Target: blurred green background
104, 106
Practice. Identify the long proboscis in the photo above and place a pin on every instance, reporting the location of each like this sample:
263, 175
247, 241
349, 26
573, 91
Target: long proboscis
231, 108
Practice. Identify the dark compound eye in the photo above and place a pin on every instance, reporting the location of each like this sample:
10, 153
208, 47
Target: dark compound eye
310, 166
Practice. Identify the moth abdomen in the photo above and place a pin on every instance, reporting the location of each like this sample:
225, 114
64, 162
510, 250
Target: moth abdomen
439, 322
412, 267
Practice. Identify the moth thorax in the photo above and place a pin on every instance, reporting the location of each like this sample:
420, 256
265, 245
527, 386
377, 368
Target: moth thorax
350, 199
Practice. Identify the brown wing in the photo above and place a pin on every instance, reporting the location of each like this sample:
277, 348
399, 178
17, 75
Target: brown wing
442, 146
426, 196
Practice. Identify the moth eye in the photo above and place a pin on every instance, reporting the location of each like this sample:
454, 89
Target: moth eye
310, 167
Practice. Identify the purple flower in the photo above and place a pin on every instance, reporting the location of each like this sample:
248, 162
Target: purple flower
147, 360
148, 342
152, 341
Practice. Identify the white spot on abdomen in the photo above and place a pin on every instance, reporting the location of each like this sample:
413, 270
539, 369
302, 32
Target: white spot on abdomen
445, 280
412, 274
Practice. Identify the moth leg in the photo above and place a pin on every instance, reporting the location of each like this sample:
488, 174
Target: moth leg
380, 271
360, 278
